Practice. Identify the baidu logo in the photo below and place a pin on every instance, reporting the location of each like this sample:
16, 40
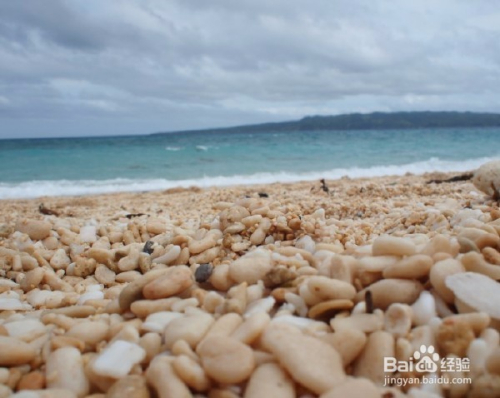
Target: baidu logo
426, 359
427, 362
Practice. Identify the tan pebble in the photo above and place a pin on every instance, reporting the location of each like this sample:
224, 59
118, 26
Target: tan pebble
478, 321
413, 267
348, 342
133, 291
491, 255
474, 262
175, 280
327, 309
127, 276
89, 332
487, 178
398, 319
199, 246
487, 240
376, 264
60, 260
467, 245
493, 362
366, 323
156, 226
269, 380
104, 275
143, 308
477, 291
32, 381
330, 289
101, 256
206, 257
226, 360
65, 341
165, 381
190, 328
32, 279
5, 391
15, 352
354, 388
222, 393
438, 274
438, 244
181, 347
220, 279
76, 311
252, 328
278, 276
370, 364
262, 357
64, 369
390, 245
225, 325
191, 373
388, 291
35, 229
292, 349
250, 268
48, 393
130, 386
4, 375
151, 343
485, 386
454, 336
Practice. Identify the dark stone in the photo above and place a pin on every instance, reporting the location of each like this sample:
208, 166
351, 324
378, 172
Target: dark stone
203, 272
148, 247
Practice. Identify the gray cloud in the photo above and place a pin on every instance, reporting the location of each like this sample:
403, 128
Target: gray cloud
130, 66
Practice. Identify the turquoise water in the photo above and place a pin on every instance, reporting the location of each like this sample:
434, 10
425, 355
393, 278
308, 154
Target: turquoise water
73, 166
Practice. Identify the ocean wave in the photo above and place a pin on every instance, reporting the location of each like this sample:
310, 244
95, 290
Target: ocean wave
173, 148
33, 189
205, 148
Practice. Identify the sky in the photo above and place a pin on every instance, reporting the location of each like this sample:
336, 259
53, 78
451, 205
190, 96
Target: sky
94, 67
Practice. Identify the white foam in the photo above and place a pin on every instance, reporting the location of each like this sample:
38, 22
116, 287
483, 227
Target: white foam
173, 148
201, 148
33, 189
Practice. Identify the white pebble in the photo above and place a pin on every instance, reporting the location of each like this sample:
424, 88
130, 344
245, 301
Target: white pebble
13, 304
158, 321
95, 295
88, 234
118, 359
261, 305
424, 309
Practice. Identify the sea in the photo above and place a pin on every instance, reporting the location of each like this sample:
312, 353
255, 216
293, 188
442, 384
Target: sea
32, 168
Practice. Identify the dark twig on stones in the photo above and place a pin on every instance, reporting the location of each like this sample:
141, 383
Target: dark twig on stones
44, 210
369, 302
323, 185
263, 195
462, 177
496, 194
129, 216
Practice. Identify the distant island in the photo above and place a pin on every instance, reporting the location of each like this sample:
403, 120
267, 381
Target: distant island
369, 121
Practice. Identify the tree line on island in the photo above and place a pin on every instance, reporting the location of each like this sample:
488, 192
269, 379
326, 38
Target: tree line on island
369, 121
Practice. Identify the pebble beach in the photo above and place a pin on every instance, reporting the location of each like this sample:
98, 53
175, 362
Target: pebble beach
279, 290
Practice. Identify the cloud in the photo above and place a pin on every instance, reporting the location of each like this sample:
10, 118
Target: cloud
143, 66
